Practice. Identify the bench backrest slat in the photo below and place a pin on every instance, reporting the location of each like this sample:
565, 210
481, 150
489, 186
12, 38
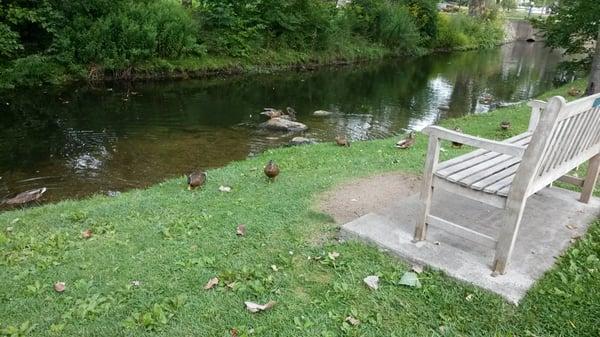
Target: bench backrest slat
575, 138
566, 135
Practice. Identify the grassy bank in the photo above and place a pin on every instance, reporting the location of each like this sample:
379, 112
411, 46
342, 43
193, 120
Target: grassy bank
142, 271
55, 42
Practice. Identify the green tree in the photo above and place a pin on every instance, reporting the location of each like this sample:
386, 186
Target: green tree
574, 26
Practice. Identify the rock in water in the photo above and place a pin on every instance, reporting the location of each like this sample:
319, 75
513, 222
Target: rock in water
322, 113
27, 196
282, 124
301, 141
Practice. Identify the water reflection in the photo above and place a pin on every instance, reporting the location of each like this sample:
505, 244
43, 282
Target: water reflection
91, 140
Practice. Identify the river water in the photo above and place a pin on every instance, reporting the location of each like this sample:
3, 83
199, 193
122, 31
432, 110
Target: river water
85, 140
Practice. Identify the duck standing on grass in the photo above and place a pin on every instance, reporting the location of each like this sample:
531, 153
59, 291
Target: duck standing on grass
271, 170
407, 142
505, 125
342, 141
196, 179
457, 144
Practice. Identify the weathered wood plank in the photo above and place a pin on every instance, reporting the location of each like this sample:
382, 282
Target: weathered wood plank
590, 180
482, 143
446, 170
433, 152
486, 198
461, 231
571, 180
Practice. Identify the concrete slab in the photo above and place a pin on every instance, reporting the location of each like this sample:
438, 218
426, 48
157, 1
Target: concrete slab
544, 235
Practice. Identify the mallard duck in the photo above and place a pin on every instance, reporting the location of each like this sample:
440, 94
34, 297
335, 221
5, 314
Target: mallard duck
272, 113
196, 179
26, 197
574, 92
505, 125
342, 141
457, 144
271, 170
291, 112
407, 142
486, 99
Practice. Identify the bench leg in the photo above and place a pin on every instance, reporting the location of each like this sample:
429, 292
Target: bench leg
508, 235
433, 151
590, 179
425, 205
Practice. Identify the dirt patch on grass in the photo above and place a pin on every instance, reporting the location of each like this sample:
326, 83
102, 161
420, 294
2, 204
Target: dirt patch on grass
356, 198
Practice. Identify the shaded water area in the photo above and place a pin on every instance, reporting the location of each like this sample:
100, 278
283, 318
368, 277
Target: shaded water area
85, 140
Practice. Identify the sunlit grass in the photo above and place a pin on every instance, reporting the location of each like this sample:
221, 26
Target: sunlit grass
171, 241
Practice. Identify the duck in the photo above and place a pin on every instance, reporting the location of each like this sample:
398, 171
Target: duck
291, 112
486, 99
271, 170
574, 92
342, 141
457, 144
407, 142
272, 112
26, 197
505, 125
196, 179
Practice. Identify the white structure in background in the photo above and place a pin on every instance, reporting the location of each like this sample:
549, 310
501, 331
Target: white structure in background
342, 3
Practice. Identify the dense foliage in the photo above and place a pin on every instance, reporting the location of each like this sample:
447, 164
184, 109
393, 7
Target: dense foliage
47, 40
573, 26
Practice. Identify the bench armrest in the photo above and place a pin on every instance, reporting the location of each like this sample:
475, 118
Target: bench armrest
536, 109
482, 143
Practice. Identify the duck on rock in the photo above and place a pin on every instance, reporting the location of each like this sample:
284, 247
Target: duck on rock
26, 197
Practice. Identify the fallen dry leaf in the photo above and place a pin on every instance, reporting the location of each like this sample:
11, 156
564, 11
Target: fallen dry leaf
211, 283
224, 188
571, 227
352, 320
274, 267
59, 287
241, 230
333, 255
469, 297
372, 281
86, 234
410, 279
230, 285
136, 283
234, 332
255, 307
417, 268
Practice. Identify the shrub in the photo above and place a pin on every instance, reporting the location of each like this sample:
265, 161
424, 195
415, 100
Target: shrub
459, 31
136, 33
9, 42
398, 31
30, 71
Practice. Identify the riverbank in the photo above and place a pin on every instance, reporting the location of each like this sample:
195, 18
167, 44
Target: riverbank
151, 252
352, 36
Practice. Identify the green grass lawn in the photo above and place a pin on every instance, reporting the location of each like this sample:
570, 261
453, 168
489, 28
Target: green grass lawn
173, 241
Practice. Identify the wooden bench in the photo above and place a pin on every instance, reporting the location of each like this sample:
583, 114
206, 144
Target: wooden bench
560, 137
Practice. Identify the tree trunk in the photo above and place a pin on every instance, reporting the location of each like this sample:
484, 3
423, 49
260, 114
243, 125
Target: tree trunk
594, 81
476, 7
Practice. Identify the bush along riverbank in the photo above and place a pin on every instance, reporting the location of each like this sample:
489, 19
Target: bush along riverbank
53, 42
136, 264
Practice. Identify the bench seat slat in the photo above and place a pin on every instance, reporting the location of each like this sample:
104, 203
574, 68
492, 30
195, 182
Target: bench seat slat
483, 170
